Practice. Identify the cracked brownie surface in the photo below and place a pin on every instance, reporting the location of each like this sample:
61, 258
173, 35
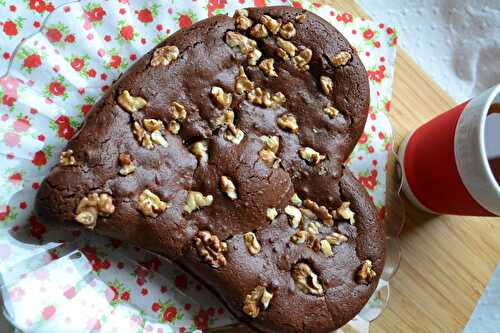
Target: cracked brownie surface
222, 149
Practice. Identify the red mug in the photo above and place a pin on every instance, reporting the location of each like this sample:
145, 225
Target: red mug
444, 163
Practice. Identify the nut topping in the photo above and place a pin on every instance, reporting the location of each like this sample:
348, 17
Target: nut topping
326, 85
131, 103
289, 48
261, 97
299, 237
288, 123
270, 23
243, 84
296, 201
294, 214
195, 200
336, 238
66, 158
271, 213
150, 204
326, 248
127, 167
210, 248
92, 206
252, 243
245, 44
178, 111
345, 212
164, 55
319, 211
228, 187
222, 99
312, 228
199, 149
232, 133
253, 57
268, 154
141, 136
300, 18
302, 59
152, 125
341, 58
288, 31
331, 111
282, 54
242, 20
174, 127
258, 299
365, 274
309, 213
310, 155
158, 138
267, 66
259, 31
306, 280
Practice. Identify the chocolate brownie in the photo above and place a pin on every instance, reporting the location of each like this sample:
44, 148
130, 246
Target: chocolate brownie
222, 149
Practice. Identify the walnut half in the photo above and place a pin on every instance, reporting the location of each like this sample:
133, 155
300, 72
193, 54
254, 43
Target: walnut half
228, 187
345, 212
306, 280
131, 103
164, 55
310, 155
196, 200
127, 167
150, 204
210, 248
258, 299
252, 243
66, 158
92, 206
365, 274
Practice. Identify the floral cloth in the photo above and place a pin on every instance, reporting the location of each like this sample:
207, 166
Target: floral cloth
51, 81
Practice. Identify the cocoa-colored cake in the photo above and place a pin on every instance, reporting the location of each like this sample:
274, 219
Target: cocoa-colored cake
222, 149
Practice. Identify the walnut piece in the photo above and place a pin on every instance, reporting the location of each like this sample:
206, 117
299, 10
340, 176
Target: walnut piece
174, 127
158, 138
252, 243
365, 274
253, 57
233, 134
302, 59
310, 155
152, 125
131, 103
243, 43
66, 158
200, 149
147, 139
242, 20
270, 23
92, 206
288, 123
267, 66
271, 213
313, 228
296, 201
289, 48
178, 111
210, 248
299, 237
306, 280
195, 200
164, 55
127, 167
243, 84
141, 136
261, 97
259, 298
326, 248
336, 238
228, 187
315, 244
288, 31
319, 211
282, 54
331, 111
326, 85
300, 18
268, 154
259, 31
294, 214
222, 99
150, 204
309, 213
345, 212
341, 58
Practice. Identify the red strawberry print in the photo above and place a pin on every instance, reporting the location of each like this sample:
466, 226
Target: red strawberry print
91, 72
4, 212
66, 132
11, 139
70, 293
106, 264
16, 178
9, 85
185, 21
54, 35
145, 15
69, 38
345, 17
388, 106
97, 14
62, 120
181, 281
127, 32
169, 313
39, 158
37, 229
37, 5
368, 34
215, 4
363, 139
56, 88
10, 28
78, 64
48, 312
201, 320
125, 296
155, 307
115, 61
115, 293
296, 4
32, 61
21, 124
259, 3
8, 100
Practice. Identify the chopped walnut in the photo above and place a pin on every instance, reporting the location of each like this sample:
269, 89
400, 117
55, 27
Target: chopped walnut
150, 204
272, 142
222, 99
245, 44
228, 187
242, 20
341, 58
326, 248
252, 243
289, 48
200, 149
336, 238
152, 125
261, 97
278, 99
270, 23
178, 111
259, 298
268, 154
226, 118
210, 248
195, 200
313, 228
296, 201
299, 237
89, 208
302, 59
331, 111
326, 85
288, 123
319, 211
345, 212
294, 214
271, 213
259, 31
282, 54
306, 280
310, 155
131, 103
243, 84
174, 127
267, 66
253, 57
309, 213
315, 244
365, 273
288, 31
66, 158
141, 136
158, 138
164, 55
233, 134
127, 167
300, 18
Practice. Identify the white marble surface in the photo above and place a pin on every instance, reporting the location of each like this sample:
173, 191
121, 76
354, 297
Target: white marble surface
456, 42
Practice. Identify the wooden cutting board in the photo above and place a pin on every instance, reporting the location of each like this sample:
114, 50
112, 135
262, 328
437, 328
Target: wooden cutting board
446, 260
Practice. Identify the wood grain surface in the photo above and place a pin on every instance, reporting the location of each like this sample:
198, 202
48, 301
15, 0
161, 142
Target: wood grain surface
446, 260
